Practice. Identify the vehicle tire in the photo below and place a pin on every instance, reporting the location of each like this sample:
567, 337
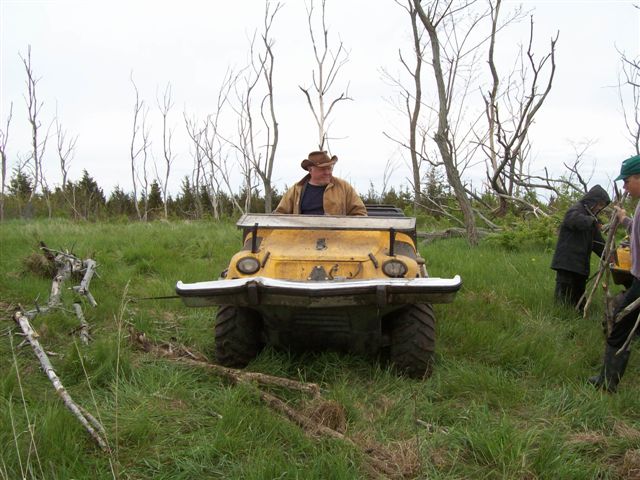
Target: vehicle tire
238, 336
413, 339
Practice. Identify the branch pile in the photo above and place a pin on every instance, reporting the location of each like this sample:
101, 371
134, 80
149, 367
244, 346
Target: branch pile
66, 264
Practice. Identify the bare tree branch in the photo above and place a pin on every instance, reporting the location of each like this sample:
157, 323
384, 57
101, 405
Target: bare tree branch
325, 76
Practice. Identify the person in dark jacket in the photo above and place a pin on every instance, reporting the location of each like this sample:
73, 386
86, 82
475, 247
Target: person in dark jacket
579, 236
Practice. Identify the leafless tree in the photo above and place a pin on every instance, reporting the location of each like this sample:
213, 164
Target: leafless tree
167, 134
4, 138
210, 158
511, 109
198, 136
256, 141
411, 98
139, 146
328, 63
38, 144
442, 21
66, 151
630, 77
264, 168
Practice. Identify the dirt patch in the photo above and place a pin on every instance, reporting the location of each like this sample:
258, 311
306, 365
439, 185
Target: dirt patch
623, 430
402, 456
593, 438
328, 413
630, 468
39, 265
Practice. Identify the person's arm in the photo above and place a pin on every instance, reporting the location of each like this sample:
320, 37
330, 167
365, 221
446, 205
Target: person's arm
598, 242
623, 219
355, 205
578, 219
286, 203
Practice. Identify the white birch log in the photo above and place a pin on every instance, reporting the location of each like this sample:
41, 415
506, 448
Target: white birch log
83, 289
68, 263
84, 326
32, 338
63, 273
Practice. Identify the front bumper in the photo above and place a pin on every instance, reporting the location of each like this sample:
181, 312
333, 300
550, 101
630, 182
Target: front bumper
262, 291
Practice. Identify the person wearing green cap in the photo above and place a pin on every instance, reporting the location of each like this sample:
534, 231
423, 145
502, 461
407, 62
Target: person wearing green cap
614, 363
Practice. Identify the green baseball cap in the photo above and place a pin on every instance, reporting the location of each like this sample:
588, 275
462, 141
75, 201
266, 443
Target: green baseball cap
631, 166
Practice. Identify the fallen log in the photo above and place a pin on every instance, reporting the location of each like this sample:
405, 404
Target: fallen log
183, 355
449, 233
91, 425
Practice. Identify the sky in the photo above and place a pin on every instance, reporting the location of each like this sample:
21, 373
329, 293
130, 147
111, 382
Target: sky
84, 54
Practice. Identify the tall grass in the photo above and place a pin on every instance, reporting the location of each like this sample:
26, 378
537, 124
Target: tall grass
508, 397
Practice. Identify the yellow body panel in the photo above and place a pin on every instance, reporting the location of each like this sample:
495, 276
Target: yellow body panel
342, 254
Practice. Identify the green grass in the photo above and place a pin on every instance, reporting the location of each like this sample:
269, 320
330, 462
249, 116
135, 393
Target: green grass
508, 398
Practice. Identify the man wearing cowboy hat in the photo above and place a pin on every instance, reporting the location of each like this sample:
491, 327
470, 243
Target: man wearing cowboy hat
319, 192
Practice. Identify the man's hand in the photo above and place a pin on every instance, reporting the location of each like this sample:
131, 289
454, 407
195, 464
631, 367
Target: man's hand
621, 214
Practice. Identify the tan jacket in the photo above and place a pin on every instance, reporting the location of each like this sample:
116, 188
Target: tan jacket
339, 198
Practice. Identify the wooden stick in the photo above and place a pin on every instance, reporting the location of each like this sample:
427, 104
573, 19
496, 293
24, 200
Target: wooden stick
604, 258
84, 326
237, 376
626, 343
628, 309
32, 338
83, 289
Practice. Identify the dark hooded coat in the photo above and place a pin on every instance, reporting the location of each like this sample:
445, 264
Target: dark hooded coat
579, 234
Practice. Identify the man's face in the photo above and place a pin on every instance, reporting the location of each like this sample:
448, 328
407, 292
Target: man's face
632, 185
320, 175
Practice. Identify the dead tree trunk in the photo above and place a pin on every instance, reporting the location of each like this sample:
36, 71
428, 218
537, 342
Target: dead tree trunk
38, 145
442, 136
4, 137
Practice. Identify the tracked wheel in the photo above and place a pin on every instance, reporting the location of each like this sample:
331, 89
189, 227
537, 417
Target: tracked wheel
413, 338
238, 333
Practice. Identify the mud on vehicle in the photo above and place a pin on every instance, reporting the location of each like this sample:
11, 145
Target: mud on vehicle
306, 282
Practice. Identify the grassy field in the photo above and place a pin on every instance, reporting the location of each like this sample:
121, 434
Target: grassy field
508, 399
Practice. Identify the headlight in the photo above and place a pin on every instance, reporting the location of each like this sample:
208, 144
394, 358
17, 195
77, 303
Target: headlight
248, 265
394, 268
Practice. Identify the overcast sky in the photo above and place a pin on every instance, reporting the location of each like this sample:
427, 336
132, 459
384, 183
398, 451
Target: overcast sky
83, 53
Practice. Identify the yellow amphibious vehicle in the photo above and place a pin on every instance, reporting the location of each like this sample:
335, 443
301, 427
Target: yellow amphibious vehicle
310, 282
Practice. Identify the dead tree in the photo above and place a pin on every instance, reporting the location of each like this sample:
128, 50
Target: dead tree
264, 163
630, 78
442, 19
328, 66
256, 141
411, 99
38, 144
210, 158
66, 151
511, 110
167, 154
139, 146
4, 137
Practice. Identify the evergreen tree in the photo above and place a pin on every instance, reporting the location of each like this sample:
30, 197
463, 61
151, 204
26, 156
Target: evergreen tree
155, 204
90, 197
120, 203
20, 185
186, 200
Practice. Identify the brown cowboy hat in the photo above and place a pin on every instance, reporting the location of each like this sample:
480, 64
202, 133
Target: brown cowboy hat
318, 159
